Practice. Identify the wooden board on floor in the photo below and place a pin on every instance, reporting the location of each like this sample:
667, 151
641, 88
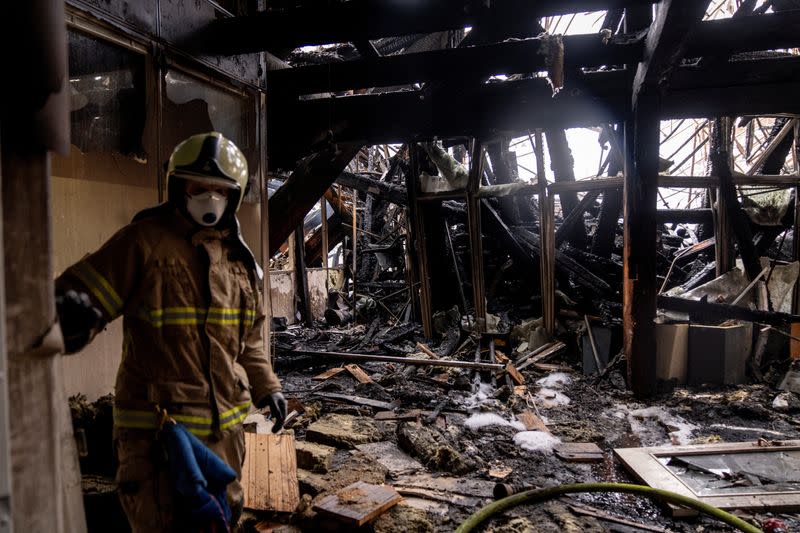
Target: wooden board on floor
413, 414
358, 373
269, 473
328, 374
579, 452
515, 374
532, 422
358, 503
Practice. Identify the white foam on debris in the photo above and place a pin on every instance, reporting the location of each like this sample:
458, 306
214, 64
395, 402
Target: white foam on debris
548, 398
536, 441
480, 420
556, 380
679, 430
483, 393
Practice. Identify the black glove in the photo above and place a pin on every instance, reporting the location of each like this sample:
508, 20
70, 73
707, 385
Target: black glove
277, 409
78, 319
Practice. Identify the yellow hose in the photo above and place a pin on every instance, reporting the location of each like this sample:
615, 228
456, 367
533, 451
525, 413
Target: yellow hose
540, 495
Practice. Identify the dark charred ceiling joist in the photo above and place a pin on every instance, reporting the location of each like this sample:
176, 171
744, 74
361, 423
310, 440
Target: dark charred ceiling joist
745, 34
664, 48
511, 57
747, 87
337, 22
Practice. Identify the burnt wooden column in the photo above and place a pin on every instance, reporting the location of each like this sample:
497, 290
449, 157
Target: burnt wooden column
563, 166
639, 254
796, 229
475, 237
636, 19
724, 255
419, 281
547, 240
664, 47
301, 278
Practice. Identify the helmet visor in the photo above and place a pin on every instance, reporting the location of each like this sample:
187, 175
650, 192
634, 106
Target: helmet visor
206, 179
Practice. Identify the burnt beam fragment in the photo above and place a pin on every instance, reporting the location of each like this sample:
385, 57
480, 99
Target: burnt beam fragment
563, 166
525, 249
716, 312
304, 187
381, 189
575, 217
740, 223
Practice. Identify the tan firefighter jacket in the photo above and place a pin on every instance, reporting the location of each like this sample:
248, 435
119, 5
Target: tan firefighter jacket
193, 322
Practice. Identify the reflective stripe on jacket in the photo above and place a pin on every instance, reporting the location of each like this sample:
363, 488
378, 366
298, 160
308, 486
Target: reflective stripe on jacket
193, 322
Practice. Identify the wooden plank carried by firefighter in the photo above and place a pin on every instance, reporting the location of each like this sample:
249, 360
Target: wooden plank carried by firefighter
269, 473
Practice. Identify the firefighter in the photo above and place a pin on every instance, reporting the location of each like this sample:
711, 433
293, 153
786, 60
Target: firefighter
189, 291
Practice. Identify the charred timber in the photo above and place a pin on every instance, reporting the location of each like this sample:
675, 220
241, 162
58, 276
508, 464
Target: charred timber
687, 216
518, 106
390, 192
357, 20
304, 187
510, 57
715, 312
745, 34
563, 166
525, 251
575, 217
402, 360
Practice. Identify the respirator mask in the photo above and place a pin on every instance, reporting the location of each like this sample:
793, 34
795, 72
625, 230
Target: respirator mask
206, 208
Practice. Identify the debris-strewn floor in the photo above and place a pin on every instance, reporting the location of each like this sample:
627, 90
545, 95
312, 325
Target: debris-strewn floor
444, 438
445, 445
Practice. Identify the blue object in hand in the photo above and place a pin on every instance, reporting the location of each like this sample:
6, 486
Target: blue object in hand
199, 478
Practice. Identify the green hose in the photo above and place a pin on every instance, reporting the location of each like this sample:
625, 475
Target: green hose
540, 495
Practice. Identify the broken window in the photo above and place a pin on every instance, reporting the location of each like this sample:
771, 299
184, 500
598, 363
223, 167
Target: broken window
107, 96
196, 106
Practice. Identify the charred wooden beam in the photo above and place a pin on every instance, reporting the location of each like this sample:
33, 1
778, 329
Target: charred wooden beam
724, 253
740, 223
330, 233
511, 189
639, 255
524, 248
477, 159
417, 246
505, 172
301, 278
686, 216
382, 118
688, 182
666, 42
563, 166
547, 271
403, 360
388, 191
576, 216
511, 57
339, 22
745, 34
516, 107
715, 312
304, 187
664, 46
607, 222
